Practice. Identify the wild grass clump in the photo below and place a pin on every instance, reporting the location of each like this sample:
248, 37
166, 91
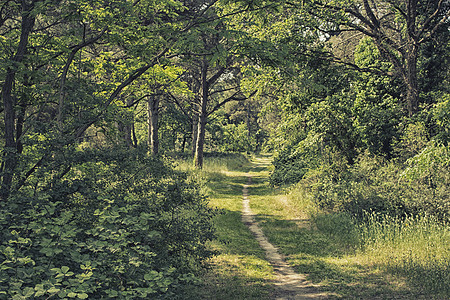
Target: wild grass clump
341, 225
416, 247
303, 200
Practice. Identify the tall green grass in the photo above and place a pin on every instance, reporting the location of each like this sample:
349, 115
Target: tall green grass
417, 247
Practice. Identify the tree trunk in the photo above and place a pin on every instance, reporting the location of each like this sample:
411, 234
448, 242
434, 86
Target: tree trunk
19, 127
128, 126
198, 158
153, 115
412, 90
128, 135
194, 132
10, 150
133, 132
183, 144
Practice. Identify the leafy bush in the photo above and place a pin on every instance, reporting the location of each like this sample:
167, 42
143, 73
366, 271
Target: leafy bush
294, 161
120, 225
441, 115
374, 184
426, 181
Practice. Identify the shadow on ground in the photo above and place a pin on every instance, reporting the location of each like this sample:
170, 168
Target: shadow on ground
327, 261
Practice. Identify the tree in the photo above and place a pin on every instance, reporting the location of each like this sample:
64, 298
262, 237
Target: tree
9, 102
398, 29
212, 66
92, 52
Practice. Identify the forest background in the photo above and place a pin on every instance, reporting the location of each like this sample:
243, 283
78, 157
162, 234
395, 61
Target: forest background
98, 97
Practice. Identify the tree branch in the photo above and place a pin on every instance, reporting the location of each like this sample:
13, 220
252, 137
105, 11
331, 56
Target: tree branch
370, 14
231, 98
136, 74
428, 21
72, 54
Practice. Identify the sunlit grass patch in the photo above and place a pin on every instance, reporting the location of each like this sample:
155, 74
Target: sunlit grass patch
416, 247
398, 262
233, 237
383, 257
347, 278
232, 276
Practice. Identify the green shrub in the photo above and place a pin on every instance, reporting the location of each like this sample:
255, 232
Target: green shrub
295, 160
374, 184
426, 181
441, 115
119, 225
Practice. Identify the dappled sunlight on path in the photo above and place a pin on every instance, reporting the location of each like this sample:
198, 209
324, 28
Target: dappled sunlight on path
289, 284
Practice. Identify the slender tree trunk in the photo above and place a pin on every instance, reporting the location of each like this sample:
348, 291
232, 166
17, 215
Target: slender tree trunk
133, 132
128, 127
153, 116
128, 135
412, 89
198, 158
412, 49
183, 144
19, 127
194, 132
10, 150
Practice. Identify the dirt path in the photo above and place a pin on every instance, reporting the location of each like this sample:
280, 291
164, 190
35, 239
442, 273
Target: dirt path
289, 285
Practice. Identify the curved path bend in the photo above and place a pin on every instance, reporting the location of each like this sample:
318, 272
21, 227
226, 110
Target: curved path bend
289, 284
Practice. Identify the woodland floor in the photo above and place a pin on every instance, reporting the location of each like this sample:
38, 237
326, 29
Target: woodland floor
266, 248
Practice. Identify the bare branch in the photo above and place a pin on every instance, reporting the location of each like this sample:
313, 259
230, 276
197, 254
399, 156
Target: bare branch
427, 22
221, 91
233, 97
370, 14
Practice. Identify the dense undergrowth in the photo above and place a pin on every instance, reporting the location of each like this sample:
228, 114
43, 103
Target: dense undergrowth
420, 184
116, 224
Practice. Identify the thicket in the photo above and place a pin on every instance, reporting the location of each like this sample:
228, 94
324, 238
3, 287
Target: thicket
346, 139
119, 224
397, 187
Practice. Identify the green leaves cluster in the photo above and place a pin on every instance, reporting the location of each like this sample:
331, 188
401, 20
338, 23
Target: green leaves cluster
337, 117
120, 226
